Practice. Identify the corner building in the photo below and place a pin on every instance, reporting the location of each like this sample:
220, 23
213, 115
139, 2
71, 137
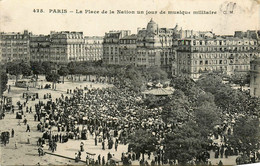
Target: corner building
67, 46
151, 46
14, 47
229, 55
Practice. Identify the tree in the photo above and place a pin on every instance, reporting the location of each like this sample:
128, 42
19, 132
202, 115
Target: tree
142, 141
63, 71
154, 74
184, 143
3, 81
207, 117
177, 110
210, 82
246, 134
14, 68
240, 79
183, 83
26, 69
37, 68
54, 78
47, 66
72, 68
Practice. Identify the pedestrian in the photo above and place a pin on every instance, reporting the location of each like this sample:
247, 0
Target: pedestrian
99, 159
12, 132
76, 157
103, 160
28, 128
79, 154
220, 163
103, 145
96, 141
82, 147
116, 146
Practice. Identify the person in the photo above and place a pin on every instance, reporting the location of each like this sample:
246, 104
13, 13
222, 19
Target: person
79, 154
28, 128
15, 145
103, 145
99, 160
28, 139
25, 121
220, 163
96, 141
103, 160
82, 147
12, 132
76, 157
116, 146
87, 159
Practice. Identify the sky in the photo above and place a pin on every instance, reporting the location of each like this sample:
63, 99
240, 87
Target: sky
17, 15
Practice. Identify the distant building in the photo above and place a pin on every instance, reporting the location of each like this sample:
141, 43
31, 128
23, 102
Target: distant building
198, 55
151, 46
93, 46
40, 48
154, 47
127, 50
14, 46
248, 34
66, 46
255, 78
111, 46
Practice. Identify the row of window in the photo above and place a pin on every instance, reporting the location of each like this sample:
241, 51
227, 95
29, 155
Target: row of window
216, 42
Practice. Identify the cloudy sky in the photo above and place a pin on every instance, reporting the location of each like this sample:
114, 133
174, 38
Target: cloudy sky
17, 15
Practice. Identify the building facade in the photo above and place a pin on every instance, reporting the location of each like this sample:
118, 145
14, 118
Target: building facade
255, 78
14, 47
198, 55
127, 50
93, 47
111, 46
67, 46
154, 46
40, 48
151, 46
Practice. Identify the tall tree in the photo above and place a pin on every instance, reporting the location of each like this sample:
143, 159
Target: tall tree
177, 110
207, 117
63, 71
54, 78
47, 66
14, 68
26, 69
184, 143
3, 81
37, 69
246, 134
142, 141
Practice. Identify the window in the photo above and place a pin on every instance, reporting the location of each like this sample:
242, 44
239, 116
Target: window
220, 61
206, 62
201, 62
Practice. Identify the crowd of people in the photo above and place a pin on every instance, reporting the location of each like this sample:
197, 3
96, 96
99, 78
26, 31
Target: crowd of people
109, 116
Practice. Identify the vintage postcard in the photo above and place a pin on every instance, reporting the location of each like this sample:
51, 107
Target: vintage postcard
129, 82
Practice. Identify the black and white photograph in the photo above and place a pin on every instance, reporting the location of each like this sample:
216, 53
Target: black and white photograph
129, 82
